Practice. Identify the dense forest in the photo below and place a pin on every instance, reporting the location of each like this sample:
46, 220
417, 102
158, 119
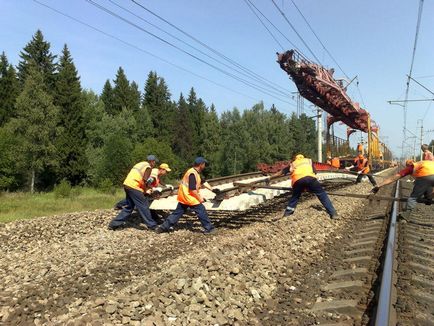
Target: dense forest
51, 129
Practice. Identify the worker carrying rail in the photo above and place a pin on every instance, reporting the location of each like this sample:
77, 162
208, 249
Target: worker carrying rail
423, 172
189, 197
303, 177
361, 165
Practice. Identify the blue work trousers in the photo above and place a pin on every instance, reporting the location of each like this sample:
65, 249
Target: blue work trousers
423, 186
173, 218
135, 198
312, 185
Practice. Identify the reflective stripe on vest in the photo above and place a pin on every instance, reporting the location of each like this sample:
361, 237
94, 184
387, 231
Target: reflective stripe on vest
301, 168
184, 192
361, 165
423, 169
134, 178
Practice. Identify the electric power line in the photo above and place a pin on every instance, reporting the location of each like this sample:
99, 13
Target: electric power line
248, 83
296, 32
141, 50
284, 92
201, 43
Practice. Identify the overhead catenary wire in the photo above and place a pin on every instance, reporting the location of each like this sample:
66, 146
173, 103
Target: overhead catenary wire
202, 43
317, 37
141, 50
248, 83
280, 90
296, 32
275, 27
263, 24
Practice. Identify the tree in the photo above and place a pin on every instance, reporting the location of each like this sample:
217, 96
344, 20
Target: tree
183, 132
36, 123
10, 173
156, 99
71, 142
107, 96
9, 89
37, 52
122, 94
211, 143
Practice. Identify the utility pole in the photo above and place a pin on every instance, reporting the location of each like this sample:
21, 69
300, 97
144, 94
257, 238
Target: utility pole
319, 124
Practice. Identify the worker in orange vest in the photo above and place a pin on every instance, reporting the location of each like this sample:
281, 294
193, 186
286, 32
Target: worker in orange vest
189, 197
361, 165
303, 177
336, 162
423, 172
135, 186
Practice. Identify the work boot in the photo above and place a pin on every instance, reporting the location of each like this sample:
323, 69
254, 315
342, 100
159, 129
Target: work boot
117, 227
335, 216
287, 212
159, 229
208, 232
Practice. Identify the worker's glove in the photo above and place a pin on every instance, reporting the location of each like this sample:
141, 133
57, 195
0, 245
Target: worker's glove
375, 189
216, 191
169, 187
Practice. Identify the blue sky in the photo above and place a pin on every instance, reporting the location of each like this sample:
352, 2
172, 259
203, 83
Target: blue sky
370, 39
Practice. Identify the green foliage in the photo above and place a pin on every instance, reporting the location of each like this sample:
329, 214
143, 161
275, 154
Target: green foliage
71, 141
63, 189
10, 176
9, 89
36, 123
106, 186
37, 53
183, 134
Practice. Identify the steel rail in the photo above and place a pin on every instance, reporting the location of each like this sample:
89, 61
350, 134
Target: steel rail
385, 300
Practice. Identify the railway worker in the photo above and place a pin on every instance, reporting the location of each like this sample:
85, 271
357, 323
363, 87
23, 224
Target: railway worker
423, 172
135, 185
153, 181
427, 155
336, 162
303, 177
361, 165
189, 197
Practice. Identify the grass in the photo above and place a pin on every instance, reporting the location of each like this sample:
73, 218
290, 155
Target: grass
19, 206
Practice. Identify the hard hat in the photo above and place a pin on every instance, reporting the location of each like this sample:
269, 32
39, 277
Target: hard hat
165, 166
299, 157
409, 162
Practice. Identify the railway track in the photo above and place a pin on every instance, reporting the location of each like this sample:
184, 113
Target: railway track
380, 273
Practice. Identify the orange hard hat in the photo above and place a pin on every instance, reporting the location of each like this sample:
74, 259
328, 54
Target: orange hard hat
409, 162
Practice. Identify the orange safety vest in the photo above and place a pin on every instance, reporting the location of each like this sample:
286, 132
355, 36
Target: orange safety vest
184, 193
134, 178
301, 168
361, 165
336, 162
423, 169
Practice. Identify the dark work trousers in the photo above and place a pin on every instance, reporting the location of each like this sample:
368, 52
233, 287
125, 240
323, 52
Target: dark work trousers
135, 198
312, 185
423, 186
173, 218
370, 177
122, 203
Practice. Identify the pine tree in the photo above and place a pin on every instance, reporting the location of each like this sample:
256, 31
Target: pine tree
122, 93
36, 123
183, 132
9, 89
71, 143
211, 143
37, 52
107, 96
157, 101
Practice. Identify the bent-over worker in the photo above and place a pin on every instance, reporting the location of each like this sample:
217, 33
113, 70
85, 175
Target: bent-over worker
135, 187
423, 172
189, 197
361, 165
303, 177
